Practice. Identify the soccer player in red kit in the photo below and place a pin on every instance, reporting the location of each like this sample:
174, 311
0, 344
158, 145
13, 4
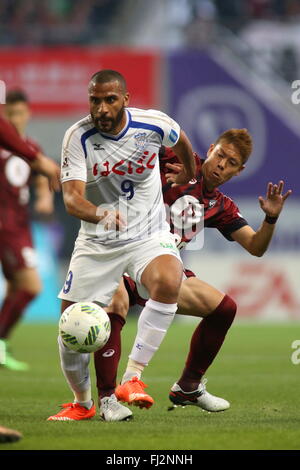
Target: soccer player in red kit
17, 255
11, 141
226, 158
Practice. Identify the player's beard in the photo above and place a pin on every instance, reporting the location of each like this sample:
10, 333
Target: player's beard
114, 123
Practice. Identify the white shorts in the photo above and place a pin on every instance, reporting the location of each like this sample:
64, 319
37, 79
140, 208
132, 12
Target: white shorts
96, 269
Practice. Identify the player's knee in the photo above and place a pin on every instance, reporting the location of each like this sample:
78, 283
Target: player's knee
165, 289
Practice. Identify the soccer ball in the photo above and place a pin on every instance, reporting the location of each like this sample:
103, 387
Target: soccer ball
84, 327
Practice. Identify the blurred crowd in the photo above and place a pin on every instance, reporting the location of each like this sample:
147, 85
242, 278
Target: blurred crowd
30, 22
235, 13
268, 27
27, 22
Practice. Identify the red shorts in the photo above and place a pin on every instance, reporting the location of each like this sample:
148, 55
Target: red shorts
16, 251
134, 297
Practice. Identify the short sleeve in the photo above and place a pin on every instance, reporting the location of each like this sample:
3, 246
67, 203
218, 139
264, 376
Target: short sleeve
230, 220
171, 129
73, 163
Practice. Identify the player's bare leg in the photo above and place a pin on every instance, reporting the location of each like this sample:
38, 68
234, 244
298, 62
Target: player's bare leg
162, 278
23, 286
198, 298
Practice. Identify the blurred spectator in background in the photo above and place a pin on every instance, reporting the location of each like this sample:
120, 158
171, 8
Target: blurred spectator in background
39, 22
17, 254
31, 22
201, 30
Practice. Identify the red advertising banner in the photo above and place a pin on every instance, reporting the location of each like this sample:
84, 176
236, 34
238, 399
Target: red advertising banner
56, 79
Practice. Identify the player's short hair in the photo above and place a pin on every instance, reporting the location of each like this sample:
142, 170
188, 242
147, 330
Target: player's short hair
16, 96
241, 139
108, 75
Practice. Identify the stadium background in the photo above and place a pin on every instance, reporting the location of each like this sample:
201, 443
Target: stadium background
211, 65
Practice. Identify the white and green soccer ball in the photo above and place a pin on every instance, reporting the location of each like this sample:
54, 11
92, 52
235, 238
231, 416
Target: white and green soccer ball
84, 327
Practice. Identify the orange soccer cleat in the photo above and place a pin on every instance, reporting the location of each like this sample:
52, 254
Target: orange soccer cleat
73, 412
132, 392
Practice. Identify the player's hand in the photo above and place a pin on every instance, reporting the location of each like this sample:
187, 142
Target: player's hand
48, 167
273, 203
178, 175
111, 219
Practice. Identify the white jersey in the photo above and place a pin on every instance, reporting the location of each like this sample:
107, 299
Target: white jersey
121, 172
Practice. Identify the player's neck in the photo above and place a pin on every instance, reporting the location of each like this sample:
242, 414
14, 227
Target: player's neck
210, 187
122, 124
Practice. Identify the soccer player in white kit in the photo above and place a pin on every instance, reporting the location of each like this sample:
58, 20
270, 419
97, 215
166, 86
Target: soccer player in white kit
111, 181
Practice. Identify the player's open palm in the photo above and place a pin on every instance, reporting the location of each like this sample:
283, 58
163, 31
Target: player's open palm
273, 203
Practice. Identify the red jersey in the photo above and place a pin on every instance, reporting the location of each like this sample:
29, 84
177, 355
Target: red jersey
10, 140
14, 190
220, 211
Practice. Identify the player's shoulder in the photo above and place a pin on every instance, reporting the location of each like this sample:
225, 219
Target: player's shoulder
80, 127
147, 115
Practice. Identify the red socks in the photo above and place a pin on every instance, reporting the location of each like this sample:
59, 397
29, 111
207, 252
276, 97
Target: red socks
205, 345
107, 359
206, 342
12, 309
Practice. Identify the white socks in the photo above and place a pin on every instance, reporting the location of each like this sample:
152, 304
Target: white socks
75, 367
154, 321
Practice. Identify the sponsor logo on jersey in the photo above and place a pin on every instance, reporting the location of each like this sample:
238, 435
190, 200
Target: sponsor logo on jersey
193, 181
211, 204
173, 136
141, 141
17, 171
122, 167
98, 147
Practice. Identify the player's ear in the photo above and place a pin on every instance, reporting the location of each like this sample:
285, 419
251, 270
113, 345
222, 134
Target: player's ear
126, 99
211, 147
241, 169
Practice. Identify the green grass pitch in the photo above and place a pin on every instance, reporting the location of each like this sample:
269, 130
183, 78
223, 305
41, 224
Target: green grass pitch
253, 371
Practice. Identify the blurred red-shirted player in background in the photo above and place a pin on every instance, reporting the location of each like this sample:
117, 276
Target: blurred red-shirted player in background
10, 140
17, 254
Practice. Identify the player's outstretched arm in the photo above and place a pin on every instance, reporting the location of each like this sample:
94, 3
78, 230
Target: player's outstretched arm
183, 150
10, 140
47, 167
78, 206
257, 243
44, 201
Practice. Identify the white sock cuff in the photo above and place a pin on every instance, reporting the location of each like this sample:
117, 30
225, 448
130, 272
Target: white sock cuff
161, 307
